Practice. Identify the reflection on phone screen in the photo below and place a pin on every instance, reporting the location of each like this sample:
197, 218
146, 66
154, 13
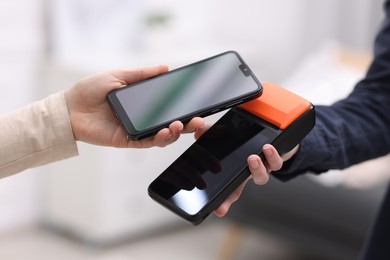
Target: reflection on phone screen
212, 162
187, 90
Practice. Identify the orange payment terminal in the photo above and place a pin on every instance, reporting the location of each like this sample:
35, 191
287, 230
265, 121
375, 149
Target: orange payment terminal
197, 182
293, 115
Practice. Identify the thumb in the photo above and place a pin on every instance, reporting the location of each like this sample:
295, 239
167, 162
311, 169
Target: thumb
134, 75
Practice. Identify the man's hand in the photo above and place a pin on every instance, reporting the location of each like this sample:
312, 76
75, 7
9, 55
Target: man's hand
260, 173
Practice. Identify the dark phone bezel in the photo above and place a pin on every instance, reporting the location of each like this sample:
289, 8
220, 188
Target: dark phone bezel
134, 134
283, 141
271, 133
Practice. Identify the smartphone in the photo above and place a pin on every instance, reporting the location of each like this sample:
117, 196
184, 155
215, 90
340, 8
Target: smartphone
199, 89
201, 178
209, 170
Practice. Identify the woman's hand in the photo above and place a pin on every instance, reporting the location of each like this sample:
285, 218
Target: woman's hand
94, 122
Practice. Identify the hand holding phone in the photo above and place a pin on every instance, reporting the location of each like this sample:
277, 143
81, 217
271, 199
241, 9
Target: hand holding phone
226, 144
199, 89
278, 117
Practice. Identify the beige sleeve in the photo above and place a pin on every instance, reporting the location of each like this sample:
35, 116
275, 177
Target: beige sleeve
35, 135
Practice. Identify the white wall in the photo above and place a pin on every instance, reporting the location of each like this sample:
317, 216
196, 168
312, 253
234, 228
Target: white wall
21, 49
90, 35
272, 35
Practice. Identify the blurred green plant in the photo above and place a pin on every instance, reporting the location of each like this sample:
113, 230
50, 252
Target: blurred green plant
157, 19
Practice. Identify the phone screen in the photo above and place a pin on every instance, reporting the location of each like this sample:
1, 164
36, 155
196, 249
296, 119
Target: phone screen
189, 91
211, 163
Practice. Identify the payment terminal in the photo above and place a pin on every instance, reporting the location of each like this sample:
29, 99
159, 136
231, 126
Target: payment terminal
197, 182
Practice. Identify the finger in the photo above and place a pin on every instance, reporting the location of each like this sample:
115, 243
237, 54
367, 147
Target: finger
161, 139
222, 209
233, 197
169, 135
134, 75
199, 132
274, 161
194, 124
287, 156
258, 169
176, 129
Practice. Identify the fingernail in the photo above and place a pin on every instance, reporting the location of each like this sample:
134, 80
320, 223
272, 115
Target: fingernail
267, 151
181, 128
254, 163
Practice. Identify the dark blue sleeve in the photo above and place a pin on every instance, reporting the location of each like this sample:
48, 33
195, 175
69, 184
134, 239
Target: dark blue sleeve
354, 129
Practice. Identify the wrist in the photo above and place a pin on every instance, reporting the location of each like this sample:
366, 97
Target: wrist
68, 100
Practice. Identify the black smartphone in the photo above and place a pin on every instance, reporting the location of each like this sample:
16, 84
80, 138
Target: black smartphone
197, 182
209, 170
199, 89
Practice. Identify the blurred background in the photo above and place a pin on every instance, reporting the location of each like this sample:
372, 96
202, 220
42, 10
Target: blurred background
95, 206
